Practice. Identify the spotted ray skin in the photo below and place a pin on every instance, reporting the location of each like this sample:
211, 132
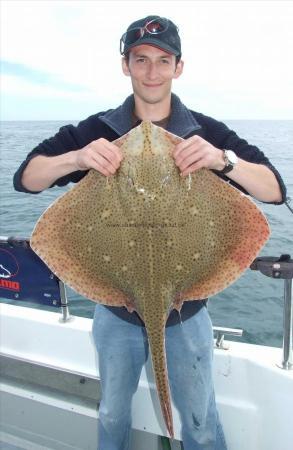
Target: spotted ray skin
149, 239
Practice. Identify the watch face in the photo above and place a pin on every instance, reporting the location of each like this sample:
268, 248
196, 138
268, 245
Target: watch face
232, 158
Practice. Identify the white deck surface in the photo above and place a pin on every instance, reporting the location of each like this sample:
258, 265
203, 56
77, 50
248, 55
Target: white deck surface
254, 396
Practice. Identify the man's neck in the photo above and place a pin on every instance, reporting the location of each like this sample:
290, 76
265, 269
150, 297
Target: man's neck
154, 112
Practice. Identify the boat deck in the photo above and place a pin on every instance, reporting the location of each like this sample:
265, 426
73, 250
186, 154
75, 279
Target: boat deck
9, 442
50, 371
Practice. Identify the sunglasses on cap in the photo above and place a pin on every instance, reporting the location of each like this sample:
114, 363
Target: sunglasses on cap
153, 27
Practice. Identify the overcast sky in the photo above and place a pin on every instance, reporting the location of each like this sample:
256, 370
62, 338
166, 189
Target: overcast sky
60, 59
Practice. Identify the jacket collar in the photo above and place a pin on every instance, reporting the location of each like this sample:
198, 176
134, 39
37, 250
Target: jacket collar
182, 122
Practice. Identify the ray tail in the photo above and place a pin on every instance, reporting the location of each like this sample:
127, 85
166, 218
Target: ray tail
156, 335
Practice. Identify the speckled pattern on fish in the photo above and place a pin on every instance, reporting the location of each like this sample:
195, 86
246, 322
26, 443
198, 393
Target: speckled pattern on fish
149, 239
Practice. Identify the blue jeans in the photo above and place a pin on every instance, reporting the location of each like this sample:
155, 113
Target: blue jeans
123, 350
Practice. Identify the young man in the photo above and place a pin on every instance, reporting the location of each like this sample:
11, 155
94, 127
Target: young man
151, 52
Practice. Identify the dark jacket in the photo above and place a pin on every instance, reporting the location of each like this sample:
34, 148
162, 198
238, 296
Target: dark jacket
116, 122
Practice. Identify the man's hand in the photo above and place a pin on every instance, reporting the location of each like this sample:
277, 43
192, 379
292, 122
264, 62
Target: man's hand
42, 171
101, 155
257, 179
195, 153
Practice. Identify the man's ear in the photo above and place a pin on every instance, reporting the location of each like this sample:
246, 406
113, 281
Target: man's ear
179, 69
125, 66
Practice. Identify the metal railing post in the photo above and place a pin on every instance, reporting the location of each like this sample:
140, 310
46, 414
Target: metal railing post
281, 268
220, 336
287, 362
64, 303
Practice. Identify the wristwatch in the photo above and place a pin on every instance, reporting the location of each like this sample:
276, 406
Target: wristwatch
230, 159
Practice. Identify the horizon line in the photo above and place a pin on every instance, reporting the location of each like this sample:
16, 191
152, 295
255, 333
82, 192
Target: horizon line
79, 120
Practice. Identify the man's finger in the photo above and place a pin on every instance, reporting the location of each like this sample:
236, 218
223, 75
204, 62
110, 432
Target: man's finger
107, 153
194, 140
99, 168
114, 149
107, 165
185, 154
193, 167
191, 159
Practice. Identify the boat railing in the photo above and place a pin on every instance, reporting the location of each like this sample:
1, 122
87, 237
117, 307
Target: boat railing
281, 268
25, 277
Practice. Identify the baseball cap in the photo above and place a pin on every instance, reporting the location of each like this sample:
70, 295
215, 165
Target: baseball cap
153, 30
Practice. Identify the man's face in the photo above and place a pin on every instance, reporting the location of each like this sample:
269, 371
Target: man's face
152, 71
